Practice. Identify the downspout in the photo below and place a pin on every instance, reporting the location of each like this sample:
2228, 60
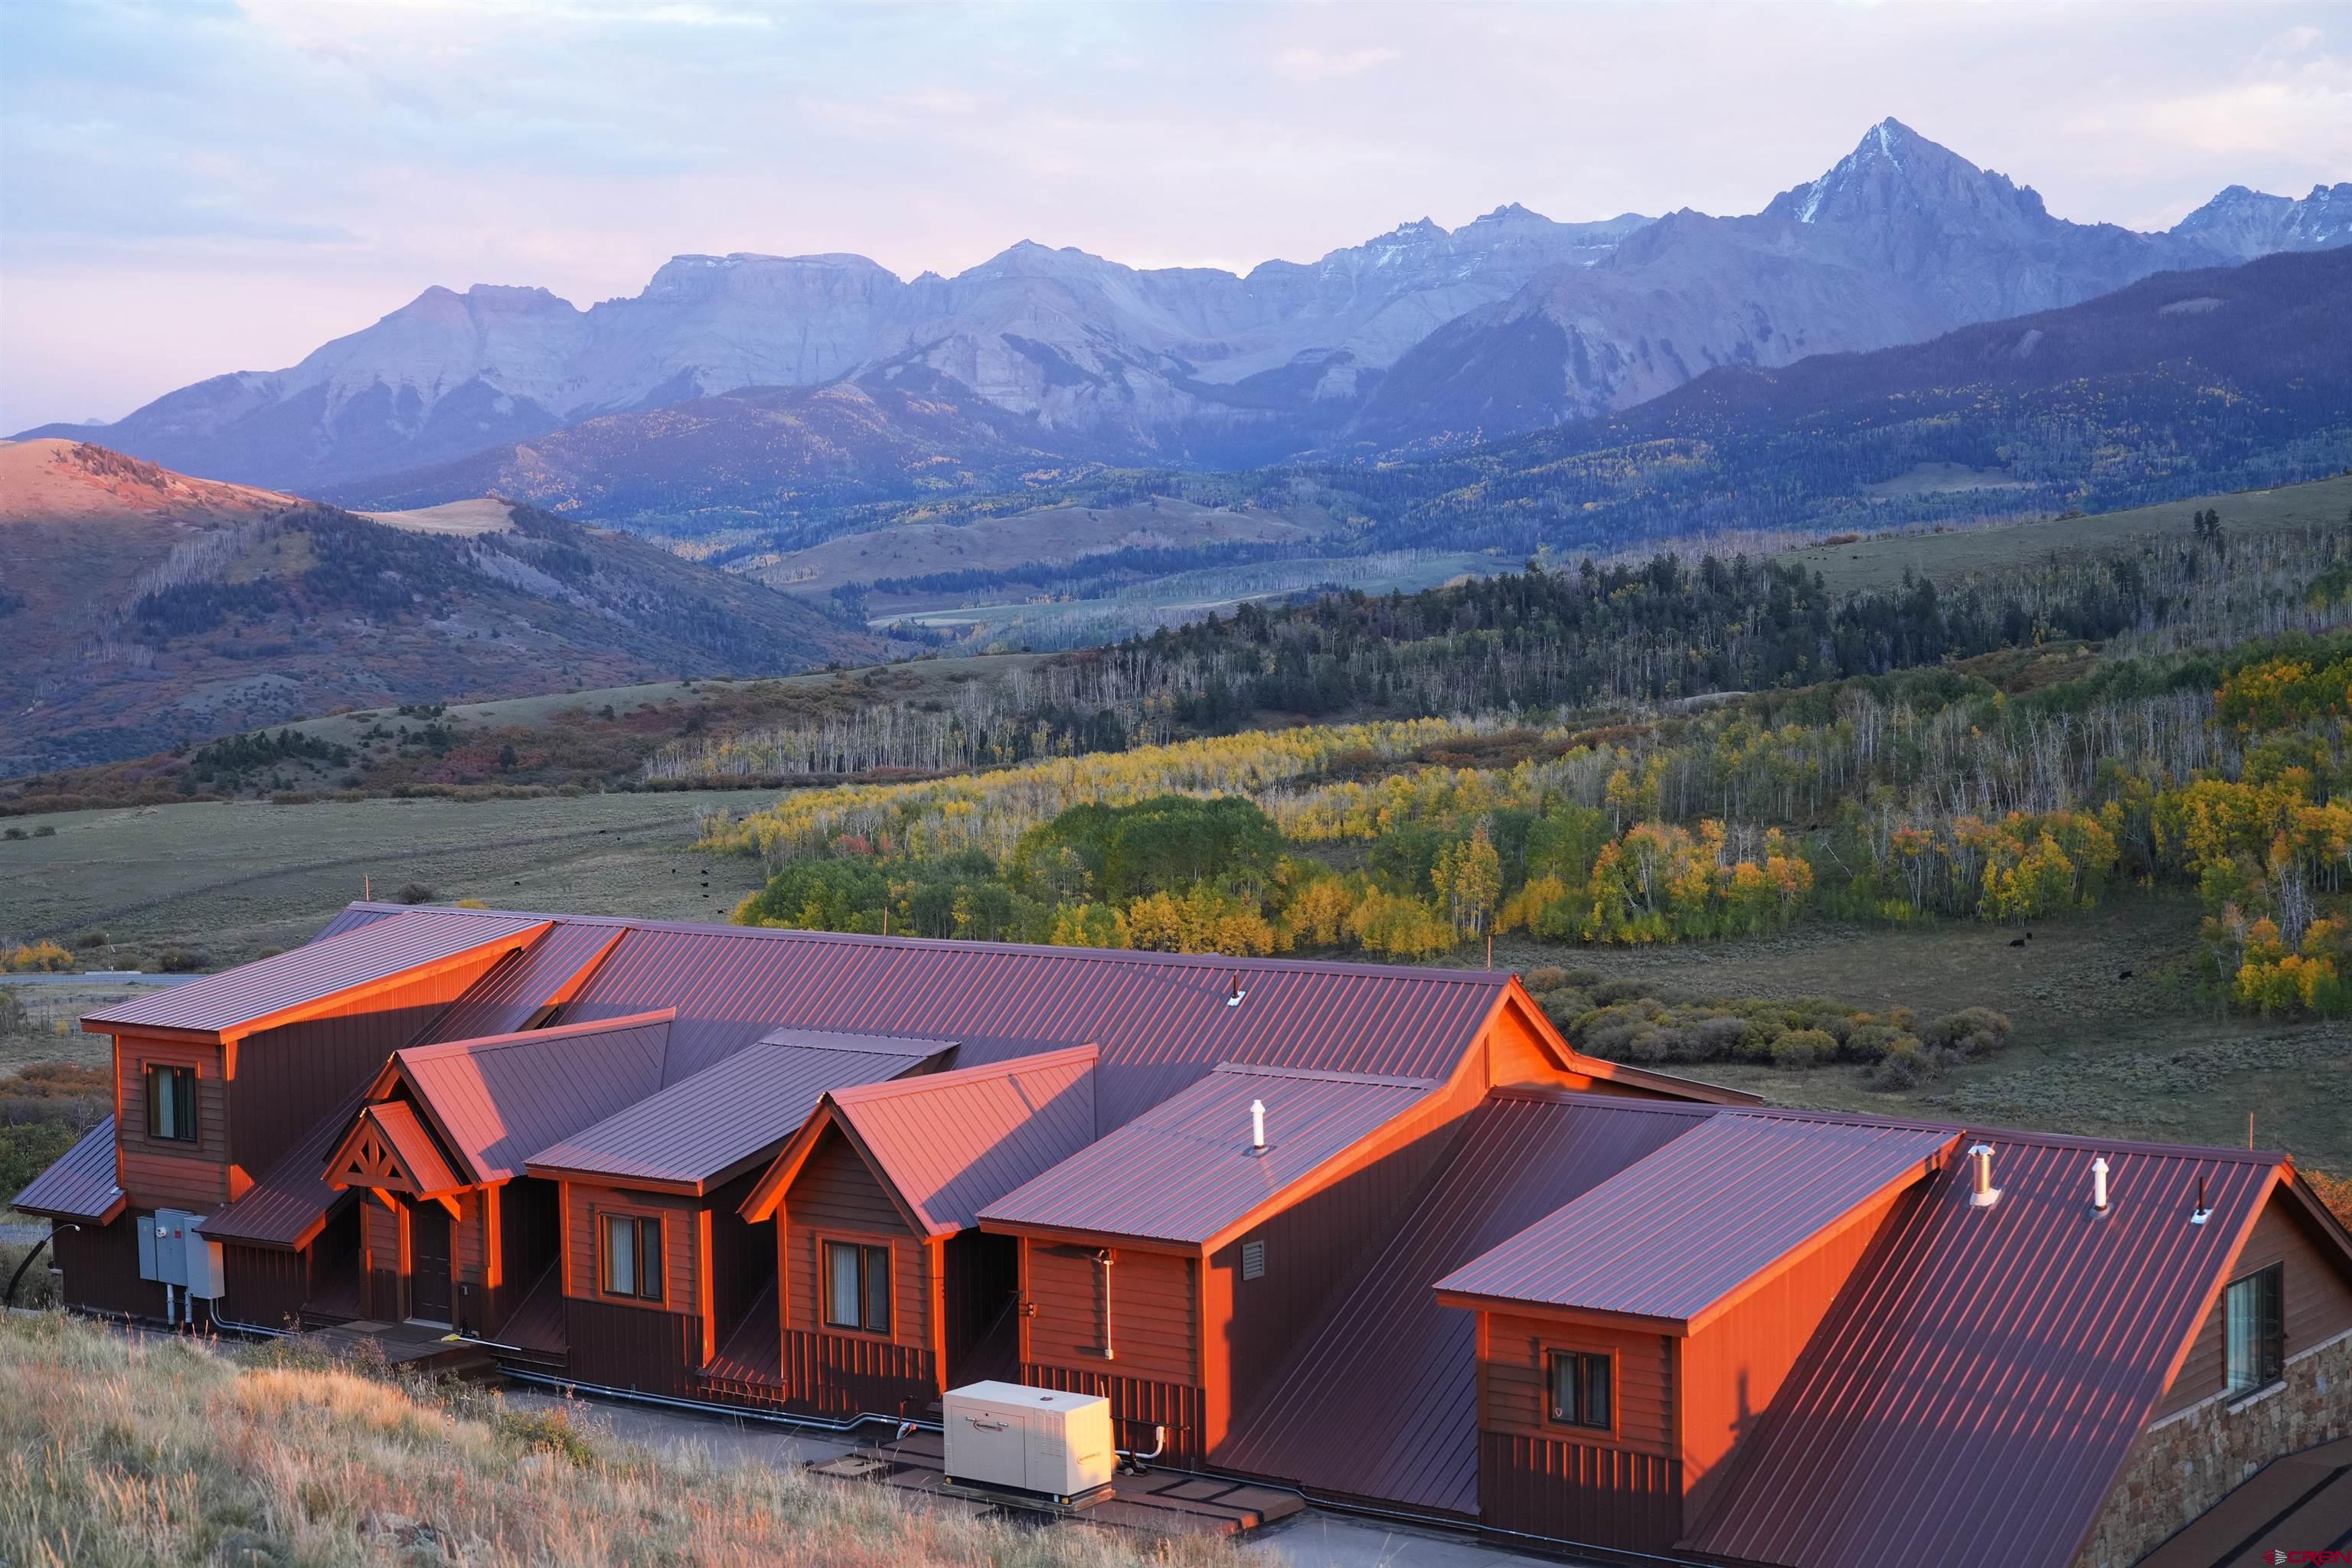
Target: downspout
1104, 1259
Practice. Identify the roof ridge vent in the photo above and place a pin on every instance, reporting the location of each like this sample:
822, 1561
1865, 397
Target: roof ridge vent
1982, 1194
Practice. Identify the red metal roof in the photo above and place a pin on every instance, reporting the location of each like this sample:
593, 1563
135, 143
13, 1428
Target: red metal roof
272, 989
1675, 1236
1380, 1398
704, 1130
80, 1184
411, 1146
498, 1101
1162, 1019
510, 995
1975, 1392
952, 1143
1184, 1170
288, 1203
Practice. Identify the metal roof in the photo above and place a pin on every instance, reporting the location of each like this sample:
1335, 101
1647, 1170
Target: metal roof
1975, 1392
702, 1129
523, 985
1184, 1170
409, 1143
875, 1045
1162, 1019
499, 1100
1380, 1398
272, 988
1674, 1237
80, 1184
952, 1143
288, 1202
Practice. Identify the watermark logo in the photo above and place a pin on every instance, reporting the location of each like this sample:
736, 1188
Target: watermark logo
2280, 1557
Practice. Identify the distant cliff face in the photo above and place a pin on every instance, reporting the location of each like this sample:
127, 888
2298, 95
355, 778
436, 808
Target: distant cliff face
1421, 337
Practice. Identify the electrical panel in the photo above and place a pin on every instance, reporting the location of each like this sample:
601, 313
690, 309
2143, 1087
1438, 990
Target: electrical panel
173, 1251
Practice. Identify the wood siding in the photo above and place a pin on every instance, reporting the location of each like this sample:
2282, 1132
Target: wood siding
102, 1270
836, 1197
1732, 1368
384, 1259
1516, 1055
1154, 1311
2318, 1300
852, 1375
165, 1173
264, 1286
1136, 1405
681, 1261
1513, 1399
617, 1346
1584, 1493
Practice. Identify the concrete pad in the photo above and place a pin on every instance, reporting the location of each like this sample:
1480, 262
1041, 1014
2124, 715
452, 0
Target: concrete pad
1318, 1540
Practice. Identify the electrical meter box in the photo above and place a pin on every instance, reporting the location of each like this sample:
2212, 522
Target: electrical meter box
1029, 1440
173, 1251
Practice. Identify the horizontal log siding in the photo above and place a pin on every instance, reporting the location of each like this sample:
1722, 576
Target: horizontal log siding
681, 1267
1154, 1311
614, 1346
165, 1173
2318, 1301
1513, 1397
1136, 1405
1579, 1492
102, 1270
836, 1197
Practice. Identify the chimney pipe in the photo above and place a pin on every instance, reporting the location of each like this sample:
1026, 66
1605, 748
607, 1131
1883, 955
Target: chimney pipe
1233, 991
1257, 1126
2204, 1213
2099, 1186
1982, 1194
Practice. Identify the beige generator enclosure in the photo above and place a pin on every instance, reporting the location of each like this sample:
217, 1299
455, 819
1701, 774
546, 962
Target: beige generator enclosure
1030, 1439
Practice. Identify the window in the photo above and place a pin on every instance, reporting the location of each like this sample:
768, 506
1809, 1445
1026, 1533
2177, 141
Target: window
1580, 1389
857, 1287
2255, 1331
632, 1256
172, 1103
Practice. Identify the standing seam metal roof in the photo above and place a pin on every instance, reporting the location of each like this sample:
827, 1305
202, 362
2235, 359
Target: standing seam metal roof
290, 1200
1675, 1235
1184, 1170
1982, 1378
499, 1100
1380, 1397
316, 971
410, 1144
80, 1184
952, 1143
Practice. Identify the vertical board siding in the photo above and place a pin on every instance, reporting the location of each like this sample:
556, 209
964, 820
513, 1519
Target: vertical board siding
2318, 1301
1515, 1399
681, 1267
1136, 1405
101, 1268
264, 1286
1578, 1491
1153, 1318
1732, 1368
835, 1195
851, 1374
648, 1351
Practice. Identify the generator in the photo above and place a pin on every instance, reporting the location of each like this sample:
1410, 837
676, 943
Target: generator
1043, 1440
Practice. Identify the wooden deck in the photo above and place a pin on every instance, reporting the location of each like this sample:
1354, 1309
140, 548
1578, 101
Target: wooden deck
1158, 1503
411, 1347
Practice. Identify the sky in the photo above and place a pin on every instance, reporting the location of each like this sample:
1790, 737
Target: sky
197, 186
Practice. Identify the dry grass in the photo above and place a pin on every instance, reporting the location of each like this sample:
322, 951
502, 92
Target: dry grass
116, 1448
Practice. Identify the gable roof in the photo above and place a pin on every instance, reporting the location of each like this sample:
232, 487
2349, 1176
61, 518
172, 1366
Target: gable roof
1184, 1172
948, 1143
295, 984
1380, 1397
290, 1201
703, 1130
1979, 1383
1677, 1237
388, 1147
498, 1100
79, 1184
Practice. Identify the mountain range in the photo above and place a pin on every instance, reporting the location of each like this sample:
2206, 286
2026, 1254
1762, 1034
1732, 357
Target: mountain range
826, 379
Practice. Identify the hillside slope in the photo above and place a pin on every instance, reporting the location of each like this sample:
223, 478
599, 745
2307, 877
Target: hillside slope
141, 609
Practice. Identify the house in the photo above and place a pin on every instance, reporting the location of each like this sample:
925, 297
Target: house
1377, 1234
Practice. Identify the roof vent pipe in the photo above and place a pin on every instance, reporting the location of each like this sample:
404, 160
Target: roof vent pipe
1257, 1126
2204, 1213
2099, 1186
1982, 1194
1233, 991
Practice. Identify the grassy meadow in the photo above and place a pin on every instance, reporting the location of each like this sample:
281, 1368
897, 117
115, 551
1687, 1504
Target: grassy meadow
136, 1449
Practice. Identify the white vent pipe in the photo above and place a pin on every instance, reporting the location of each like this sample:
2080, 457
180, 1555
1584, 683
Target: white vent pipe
1257, 1125
2099, 1184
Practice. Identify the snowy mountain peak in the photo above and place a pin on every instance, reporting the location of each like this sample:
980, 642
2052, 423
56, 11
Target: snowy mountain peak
1895, 169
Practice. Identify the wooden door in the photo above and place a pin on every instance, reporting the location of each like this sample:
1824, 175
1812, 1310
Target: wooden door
428, 1261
